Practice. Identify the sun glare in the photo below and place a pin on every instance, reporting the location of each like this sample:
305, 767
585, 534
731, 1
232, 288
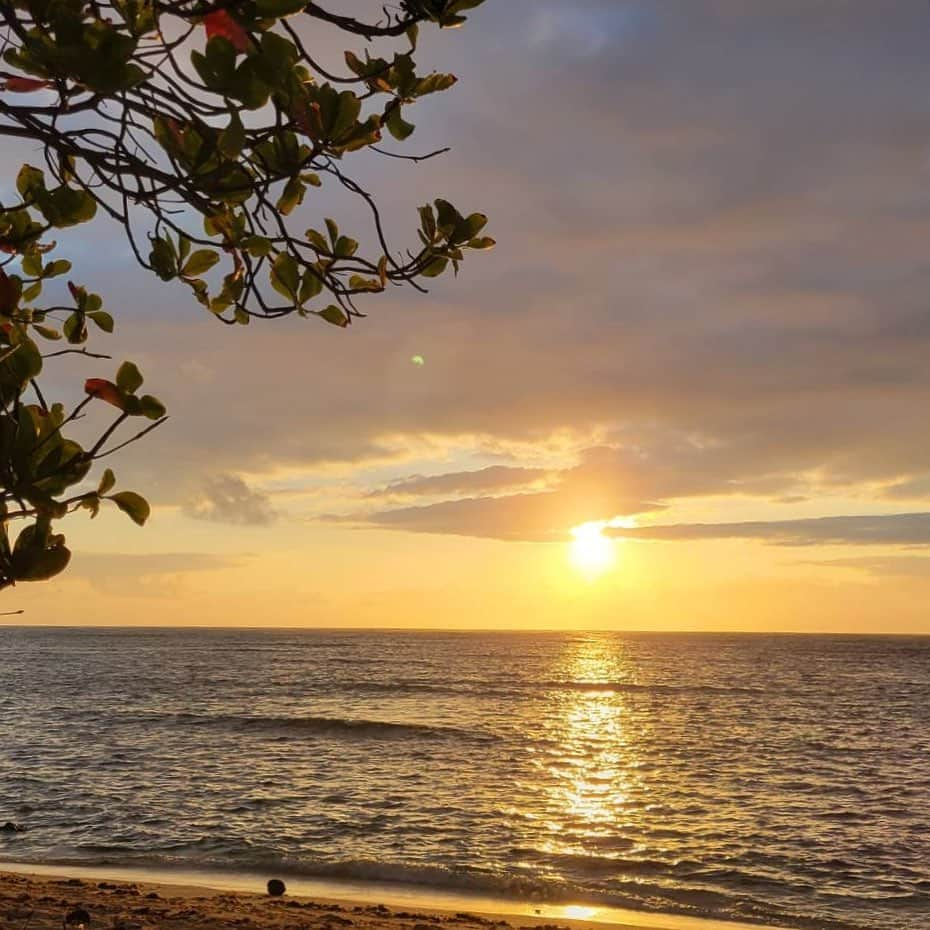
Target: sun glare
592, 553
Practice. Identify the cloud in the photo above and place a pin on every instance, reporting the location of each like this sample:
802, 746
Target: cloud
606, 482
909, 488
228, 499
492, 478
899, 529
712, 272
159, 574
880, 567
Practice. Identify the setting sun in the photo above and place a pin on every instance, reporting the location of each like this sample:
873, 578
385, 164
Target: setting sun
592, 552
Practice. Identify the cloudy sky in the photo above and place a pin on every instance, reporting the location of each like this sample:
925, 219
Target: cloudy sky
706, 328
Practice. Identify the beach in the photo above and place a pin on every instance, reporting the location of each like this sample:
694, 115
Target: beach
602, 775
43, 898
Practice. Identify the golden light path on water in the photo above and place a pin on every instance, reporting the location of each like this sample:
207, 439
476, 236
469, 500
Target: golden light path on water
588, 783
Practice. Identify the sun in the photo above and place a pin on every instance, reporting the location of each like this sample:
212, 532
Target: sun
592, 553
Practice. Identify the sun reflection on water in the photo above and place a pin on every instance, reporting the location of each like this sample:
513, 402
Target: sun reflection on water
590, 771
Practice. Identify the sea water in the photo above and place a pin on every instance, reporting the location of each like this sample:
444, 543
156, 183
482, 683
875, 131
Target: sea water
781, 779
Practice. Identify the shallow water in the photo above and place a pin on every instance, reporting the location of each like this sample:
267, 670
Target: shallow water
772, 778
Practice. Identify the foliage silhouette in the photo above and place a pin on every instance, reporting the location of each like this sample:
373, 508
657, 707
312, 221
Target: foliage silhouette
201, 127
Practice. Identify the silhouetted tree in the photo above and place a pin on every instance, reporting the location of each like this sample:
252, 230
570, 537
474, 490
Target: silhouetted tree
199, 127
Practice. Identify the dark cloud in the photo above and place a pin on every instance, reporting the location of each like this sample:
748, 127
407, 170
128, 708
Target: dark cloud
713, 271
492, 478
900, 529
228, 499
881, 567
909, 489
608, 481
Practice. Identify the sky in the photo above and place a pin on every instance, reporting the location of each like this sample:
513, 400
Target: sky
705, 330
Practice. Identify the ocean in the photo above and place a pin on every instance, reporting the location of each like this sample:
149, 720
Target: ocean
780, 779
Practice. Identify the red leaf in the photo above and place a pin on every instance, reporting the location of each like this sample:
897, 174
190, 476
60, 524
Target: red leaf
176, 130
220, 23
23, 85
105, 390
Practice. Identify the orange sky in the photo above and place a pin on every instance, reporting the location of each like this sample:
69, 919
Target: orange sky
707, 311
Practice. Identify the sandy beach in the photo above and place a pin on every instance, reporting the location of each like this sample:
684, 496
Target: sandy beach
43, 898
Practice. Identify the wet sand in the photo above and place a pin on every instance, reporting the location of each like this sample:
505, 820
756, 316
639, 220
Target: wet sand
31, 901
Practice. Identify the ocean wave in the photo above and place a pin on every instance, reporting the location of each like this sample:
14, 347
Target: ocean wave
290, 726
635, 687
240, 860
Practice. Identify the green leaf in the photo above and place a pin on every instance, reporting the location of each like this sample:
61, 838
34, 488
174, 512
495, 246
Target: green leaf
257, 246
485, 242
133, 505
310, 287
347, 114
428, 221
107, 480
285, 275
470, 227
128, 378
432, 83
92, 504
29, 181
152, 407
358, 282
102, 319
32, 264
435, 268
397, 126
75, 328
447, 215
292, 196
232, 138
335, 315
37, 563
200, 262
345, 247
317, 240
163, 260
46, 331
57, 267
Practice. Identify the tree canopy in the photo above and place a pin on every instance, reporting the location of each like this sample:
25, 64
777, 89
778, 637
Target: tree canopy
200, 128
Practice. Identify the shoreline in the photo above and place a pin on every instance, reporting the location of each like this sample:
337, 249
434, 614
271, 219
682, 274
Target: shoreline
215, 900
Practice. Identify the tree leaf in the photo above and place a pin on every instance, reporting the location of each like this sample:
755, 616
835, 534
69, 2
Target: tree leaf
75, 328
335, 315
105, 391
285, 275
107, 480
152, 407
133, 505
128, 378
199, 263
220, 23
399, 128
102, 319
